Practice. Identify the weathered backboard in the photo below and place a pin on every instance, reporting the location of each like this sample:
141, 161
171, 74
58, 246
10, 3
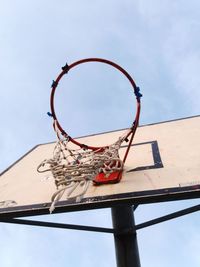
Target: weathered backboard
163, 165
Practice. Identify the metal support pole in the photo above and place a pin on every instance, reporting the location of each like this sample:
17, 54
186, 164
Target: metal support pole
126, 247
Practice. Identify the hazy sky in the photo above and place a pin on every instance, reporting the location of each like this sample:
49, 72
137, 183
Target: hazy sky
158, 43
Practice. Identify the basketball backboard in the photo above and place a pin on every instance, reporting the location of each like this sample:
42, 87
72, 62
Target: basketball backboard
163, 165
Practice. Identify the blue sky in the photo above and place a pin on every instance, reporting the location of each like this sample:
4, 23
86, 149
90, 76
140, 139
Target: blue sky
158, 43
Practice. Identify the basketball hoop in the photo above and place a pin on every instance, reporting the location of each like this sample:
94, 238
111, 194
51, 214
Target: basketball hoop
75, 168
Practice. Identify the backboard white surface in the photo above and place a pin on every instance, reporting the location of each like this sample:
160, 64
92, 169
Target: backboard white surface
163, 164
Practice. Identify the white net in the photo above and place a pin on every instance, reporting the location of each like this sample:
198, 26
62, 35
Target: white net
74, 169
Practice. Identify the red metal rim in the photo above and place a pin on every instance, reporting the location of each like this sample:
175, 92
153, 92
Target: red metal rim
66, 69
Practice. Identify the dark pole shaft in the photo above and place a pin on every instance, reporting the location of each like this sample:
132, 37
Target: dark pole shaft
126, 247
